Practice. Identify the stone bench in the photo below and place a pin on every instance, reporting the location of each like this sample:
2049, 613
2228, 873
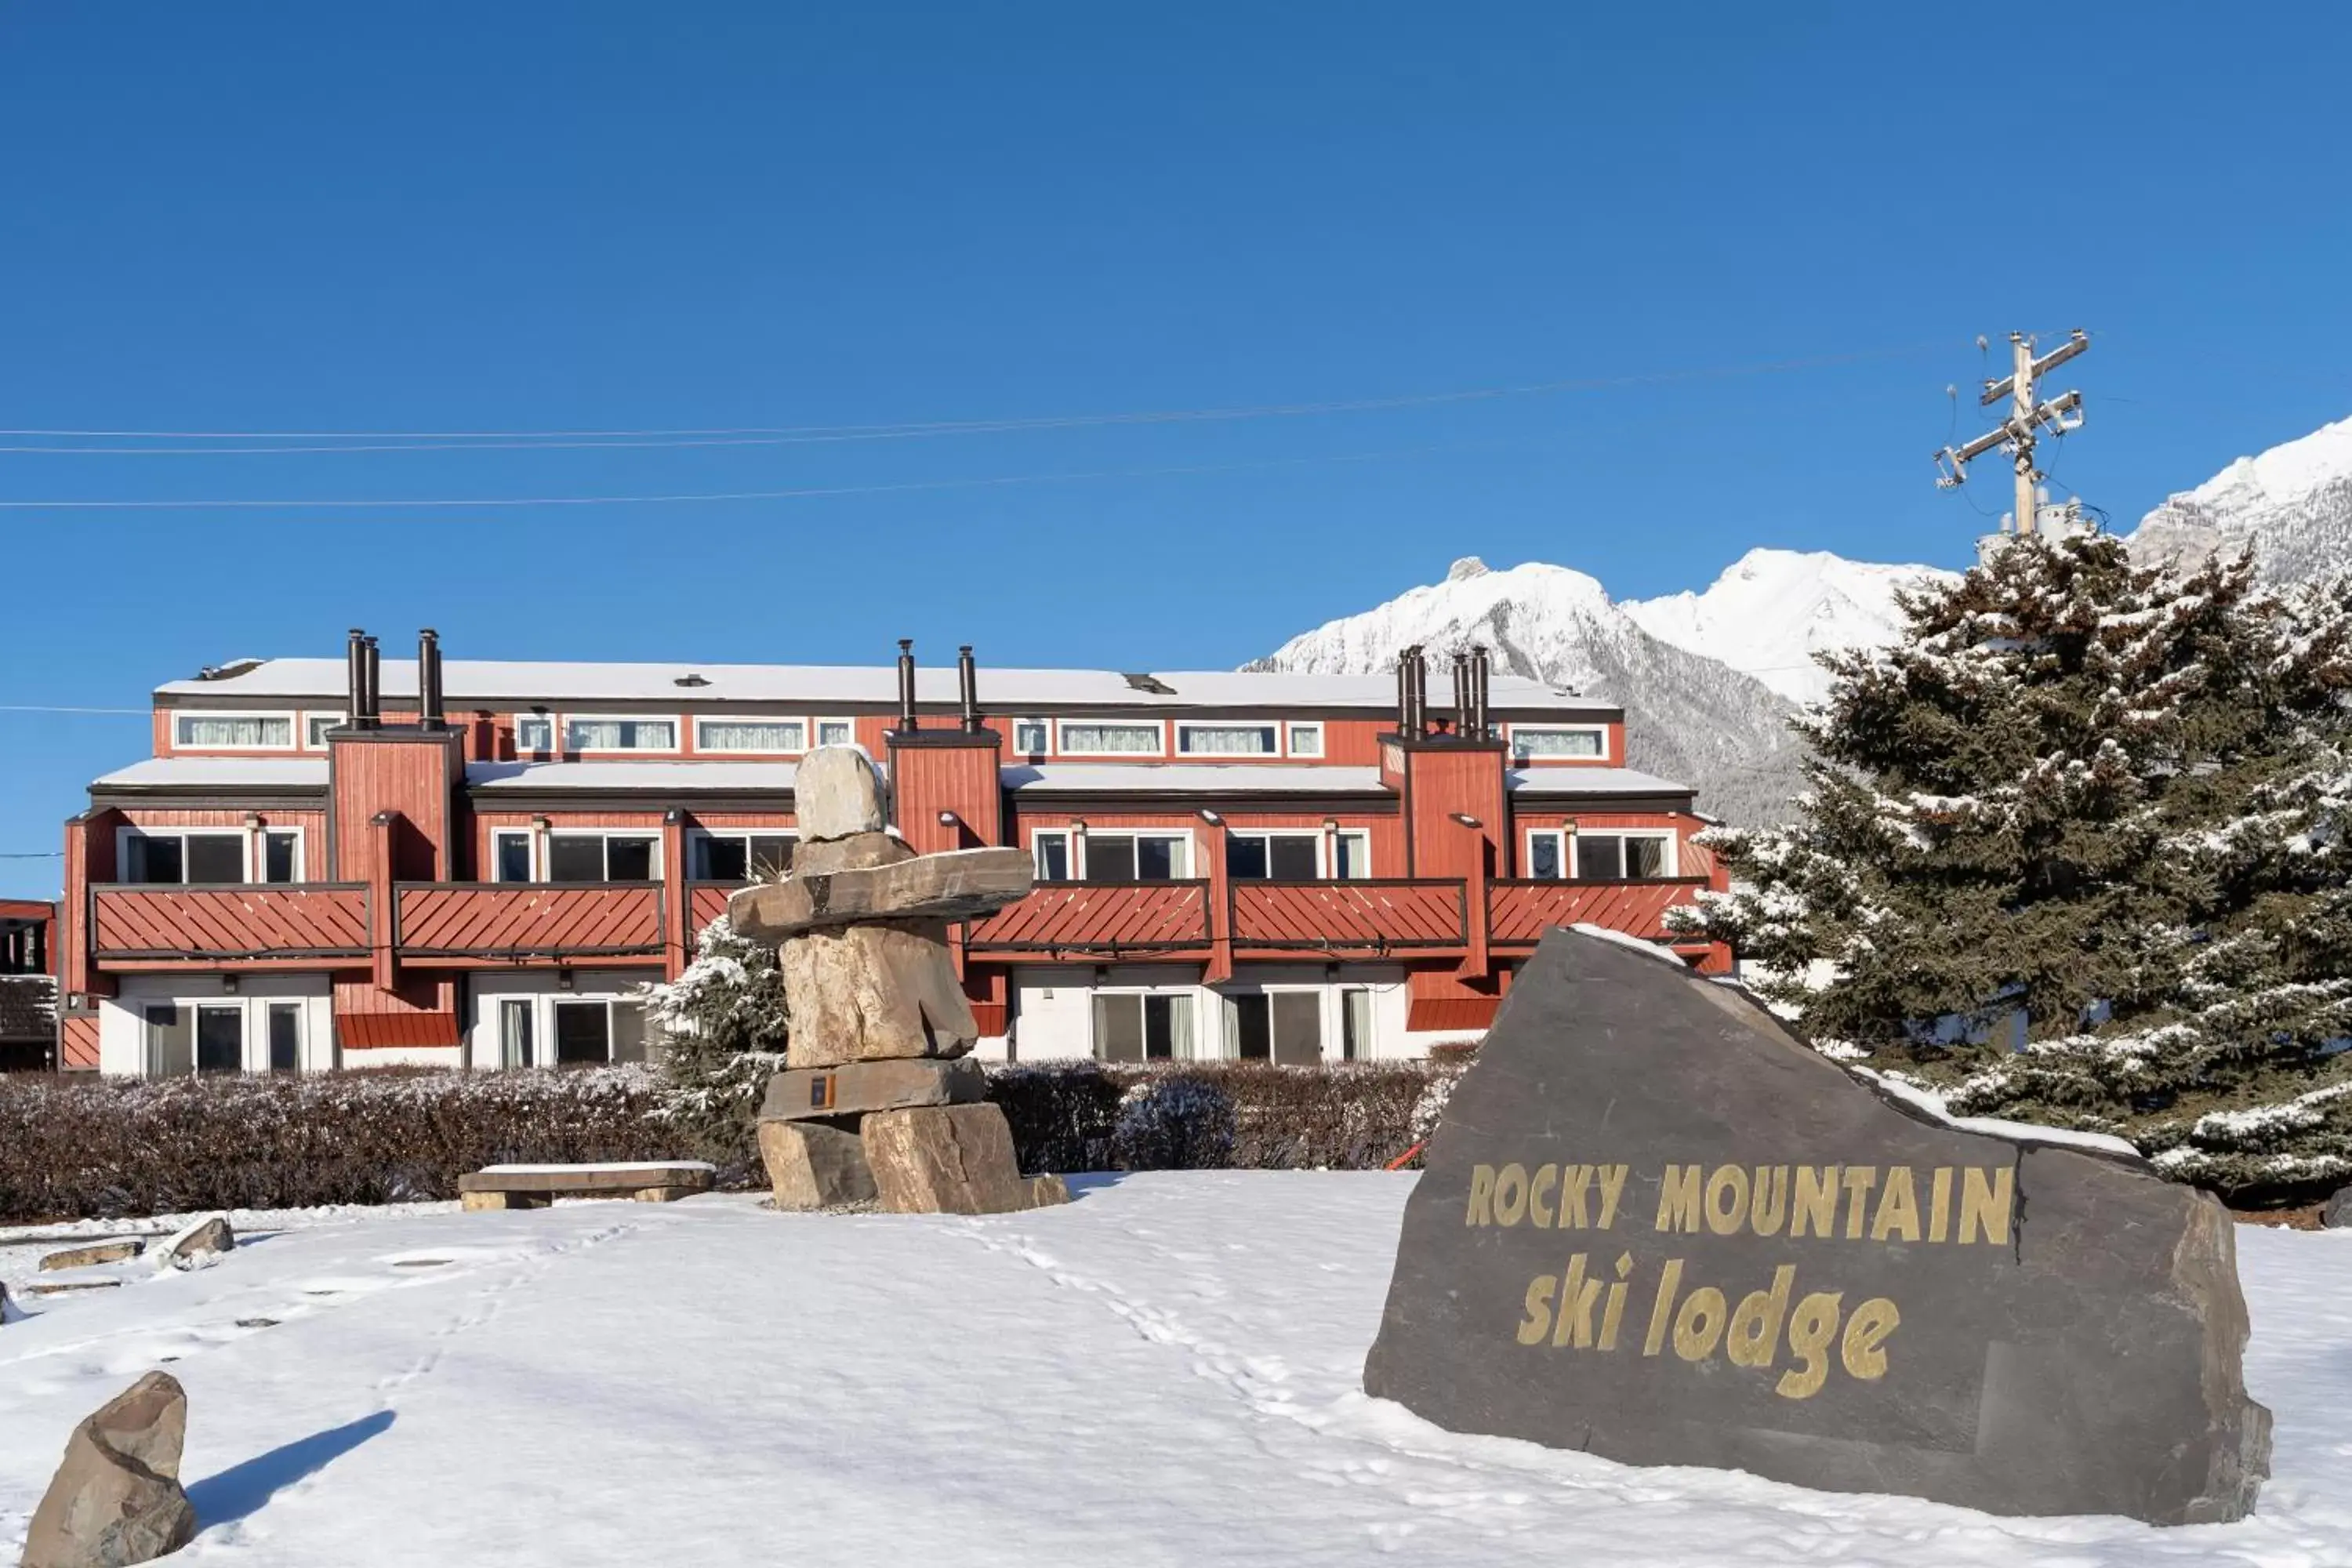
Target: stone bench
536, 1186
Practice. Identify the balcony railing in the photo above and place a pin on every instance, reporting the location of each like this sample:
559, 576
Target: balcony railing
1099, 917
295, 920
448, 924
1367, 916
477, 920
1519, 911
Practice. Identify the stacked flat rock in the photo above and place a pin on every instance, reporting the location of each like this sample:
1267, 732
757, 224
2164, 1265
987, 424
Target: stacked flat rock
878, 1101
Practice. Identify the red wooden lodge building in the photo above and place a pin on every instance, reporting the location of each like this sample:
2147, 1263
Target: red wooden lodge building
336, 864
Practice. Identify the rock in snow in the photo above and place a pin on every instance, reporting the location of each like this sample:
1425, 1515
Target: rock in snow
199, 1243
116, 1499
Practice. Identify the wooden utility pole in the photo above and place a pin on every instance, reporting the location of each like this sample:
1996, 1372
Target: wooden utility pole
2018, 434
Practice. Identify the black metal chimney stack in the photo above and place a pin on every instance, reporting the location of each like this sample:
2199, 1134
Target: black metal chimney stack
968, 689
1417, 691
428, 680
1404, 692
1479, 671
1464, 703
370, 713
354, 677
906, 683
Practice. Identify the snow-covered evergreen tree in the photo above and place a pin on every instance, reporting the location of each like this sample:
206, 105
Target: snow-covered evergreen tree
2096, 812
722, 1024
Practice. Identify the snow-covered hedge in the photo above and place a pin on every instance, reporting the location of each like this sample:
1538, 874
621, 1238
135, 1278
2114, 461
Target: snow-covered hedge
1346, 1118
79, 1147
75, 1148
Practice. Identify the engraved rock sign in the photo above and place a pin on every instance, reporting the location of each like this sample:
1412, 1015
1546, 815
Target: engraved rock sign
1657, 1226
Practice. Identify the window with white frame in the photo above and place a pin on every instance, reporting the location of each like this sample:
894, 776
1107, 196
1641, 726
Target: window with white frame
1051, 847
742, 857
1606, 855
315, 727
1353, 848
602, 856
593, 733
1546, 854
279, 852
1623, 857
234, 732
1111, 738
1143, 1026
1030, 737
534, 733
1355, 1023
1138, 857
1558, 740
511, 855
1307, 738
836, 733
212, 855
1273, 856
1234, 740
590, 1031
751, 734
1281, 1026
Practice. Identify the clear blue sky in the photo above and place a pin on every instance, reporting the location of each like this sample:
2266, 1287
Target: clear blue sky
522, 218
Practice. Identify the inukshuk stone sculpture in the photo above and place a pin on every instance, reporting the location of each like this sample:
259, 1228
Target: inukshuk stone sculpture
877, 1101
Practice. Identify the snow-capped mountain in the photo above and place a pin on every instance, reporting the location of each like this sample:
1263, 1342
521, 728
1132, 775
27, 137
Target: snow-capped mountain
2293, 503
1687, 716
1772, 610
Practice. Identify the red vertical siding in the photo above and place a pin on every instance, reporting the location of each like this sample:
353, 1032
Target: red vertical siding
413, 775
926, 780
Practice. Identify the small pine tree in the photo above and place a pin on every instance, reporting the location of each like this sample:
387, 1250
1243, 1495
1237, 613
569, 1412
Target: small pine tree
723, 1026
2074, 852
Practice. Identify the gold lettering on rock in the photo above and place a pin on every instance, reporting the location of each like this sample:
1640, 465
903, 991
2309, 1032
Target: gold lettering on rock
1540, 1210
1510, 1193
1698, 1324
1768, 1200
1985, 1204
1755, 1329
1670, 1279
1576, 1298
1573, 1182
1678, 1198
1865, 1332
1482, 1195
1811, 1333
1859, 1179
1539, 1309
1817, 1195
1898, 1207
1612, 1187
1614, 1313
1727, 1199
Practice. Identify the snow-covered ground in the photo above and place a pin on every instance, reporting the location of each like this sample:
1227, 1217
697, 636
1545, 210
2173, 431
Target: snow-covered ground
1167, 1370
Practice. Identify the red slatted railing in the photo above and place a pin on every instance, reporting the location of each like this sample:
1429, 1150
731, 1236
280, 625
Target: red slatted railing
1520, 912
444, 920
299, 920
1099, 917
1373, 916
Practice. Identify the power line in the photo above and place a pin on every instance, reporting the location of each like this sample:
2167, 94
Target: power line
692, 498
42, 707
755, 436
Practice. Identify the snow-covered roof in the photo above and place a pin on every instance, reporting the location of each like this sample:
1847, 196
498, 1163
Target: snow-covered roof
1190, 778
218, 772
1568, 779
677, 776
500, 683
